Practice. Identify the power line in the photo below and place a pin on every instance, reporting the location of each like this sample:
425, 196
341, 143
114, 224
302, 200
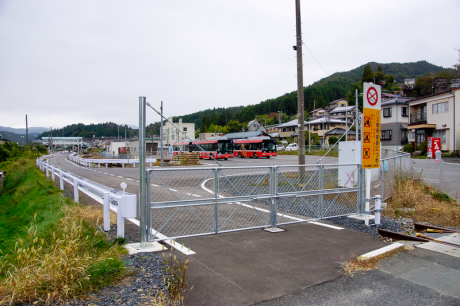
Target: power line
315, 58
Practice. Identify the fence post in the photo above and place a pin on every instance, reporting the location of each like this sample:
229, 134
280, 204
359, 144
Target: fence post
382, 171
61, 180
215, 219
75, 190
274, 192
321, 188
378, 205
400, 162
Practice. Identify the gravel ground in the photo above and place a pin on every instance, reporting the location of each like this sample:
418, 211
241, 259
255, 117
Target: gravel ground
401, 225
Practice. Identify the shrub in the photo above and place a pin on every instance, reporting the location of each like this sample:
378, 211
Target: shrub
423, 147
409, 148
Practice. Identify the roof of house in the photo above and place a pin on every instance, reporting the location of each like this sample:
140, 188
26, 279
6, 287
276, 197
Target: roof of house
340, 131
326, 120
338, 100
245, 134
252, 122
435, 94
291, 123
316, 110
398, 100
343, 109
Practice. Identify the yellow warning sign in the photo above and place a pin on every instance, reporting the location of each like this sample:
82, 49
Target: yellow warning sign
371, 138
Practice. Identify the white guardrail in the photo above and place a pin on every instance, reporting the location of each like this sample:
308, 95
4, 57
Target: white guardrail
88, 161
123, 203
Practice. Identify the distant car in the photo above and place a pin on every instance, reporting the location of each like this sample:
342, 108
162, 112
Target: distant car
280, 147
292, 147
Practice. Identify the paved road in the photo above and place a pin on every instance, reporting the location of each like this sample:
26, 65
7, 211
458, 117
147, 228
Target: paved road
302, 265
428, 170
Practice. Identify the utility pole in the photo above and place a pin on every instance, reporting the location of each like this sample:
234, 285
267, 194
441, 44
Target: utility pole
161, 133
118, 137
27, 131
300, 100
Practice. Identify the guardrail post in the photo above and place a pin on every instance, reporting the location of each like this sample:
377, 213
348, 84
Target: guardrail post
321, 182
126, 209
378, 205
75, 190
106, 211
47, 170
52, 174
106, 165
61, 180
120, 221
215, 219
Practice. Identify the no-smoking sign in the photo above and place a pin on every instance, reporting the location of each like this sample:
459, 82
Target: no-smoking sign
372, 96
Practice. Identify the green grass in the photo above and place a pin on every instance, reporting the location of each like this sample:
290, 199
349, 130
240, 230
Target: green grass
49, 250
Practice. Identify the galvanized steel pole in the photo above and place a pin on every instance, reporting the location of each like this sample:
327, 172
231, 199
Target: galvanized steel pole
161, 133
143, 207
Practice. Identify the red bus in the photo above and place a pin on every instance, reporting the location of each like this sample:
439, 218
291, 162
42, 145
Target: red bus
254, 148
217, 148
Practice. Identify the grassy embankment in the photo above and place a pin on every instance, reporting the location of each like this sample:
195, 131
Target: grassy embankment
50, 246
415, 200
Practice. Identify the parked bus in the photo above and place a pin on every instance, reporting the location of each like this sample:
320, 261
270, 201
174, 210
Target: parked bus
255, 148
217, 148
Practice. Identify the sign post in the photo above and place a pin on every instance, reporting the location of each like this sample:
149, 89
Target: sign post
371, 135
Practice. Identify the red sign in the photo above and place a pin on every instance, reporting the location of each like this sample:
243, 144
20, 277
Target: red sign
433, 145
372, 96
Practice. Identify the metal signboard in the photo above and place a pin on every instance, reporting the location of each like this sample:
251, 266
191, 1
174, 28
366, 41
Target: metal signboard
371, 126
434, 144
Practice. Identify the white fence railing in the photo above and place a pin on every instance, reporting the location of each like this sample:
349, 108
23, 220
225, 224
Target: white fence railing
88, 162
123, 203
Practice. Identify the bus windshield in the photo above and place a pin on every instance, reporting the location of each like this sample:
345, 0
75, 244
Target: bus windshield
225, 148
269, 146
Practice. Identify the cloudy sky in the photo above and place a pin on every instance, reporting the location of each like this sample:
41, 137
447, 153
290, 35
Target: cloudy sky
64, 62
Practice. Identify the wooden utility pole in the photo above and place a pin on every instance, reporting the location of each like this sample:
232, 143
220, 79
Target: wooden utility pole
300, 100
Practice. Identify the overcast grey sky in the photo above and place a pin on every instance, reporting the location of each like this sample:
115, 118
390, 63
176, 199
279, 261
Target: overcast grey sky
64, 62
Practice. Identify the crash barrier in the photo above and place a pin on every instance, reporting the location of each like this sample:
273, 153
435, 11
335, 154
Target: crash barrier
88, 162
121, 202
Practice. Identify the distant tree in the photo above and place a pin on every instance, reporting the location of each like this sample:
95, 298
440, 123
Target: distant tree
368, 75
234, 126
214, 116
332, 140
378, 75
222, 120
205, 123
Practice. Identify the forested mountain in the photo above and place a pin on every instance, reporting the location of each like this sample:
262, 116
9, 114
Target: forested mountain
19, 138
328, 89
108, 129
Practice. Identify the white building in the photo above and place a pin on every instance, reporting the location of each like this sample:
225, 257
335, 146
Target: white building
172, 134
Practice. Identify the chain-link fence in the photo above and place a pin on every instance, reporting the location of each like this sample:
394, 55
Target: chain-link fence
199, 201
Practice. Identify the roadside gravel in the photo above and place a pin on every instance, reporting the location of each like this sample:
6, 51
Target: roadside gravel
401, 225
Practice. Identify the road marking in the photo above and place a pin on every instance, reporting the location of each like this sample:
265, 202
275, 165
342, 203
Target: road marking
326, 225
120, 176
193, 195
105, 173
129, 179
173, 189
155, 185
112, 174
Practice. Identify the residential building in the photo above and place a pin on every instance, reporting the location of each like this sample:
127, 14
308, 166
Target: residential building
254, 125
338, 103
289, 129
208, 135
172, 134
436, 115
394, 120
273, 130
348, 112
409, 82
318, 113
151, 146
338, 132
323, 125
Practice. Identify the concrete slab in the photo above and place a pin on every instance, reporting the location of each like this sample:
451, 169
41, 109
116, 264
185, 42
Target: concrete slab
247, 267
444, 248
134, 248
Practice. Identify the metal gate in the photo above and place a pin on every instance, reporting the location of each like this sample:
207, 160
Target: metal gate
199, 201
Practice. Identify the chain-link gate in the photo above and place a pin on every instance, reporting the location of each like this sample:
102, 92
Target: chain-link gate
190, 202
